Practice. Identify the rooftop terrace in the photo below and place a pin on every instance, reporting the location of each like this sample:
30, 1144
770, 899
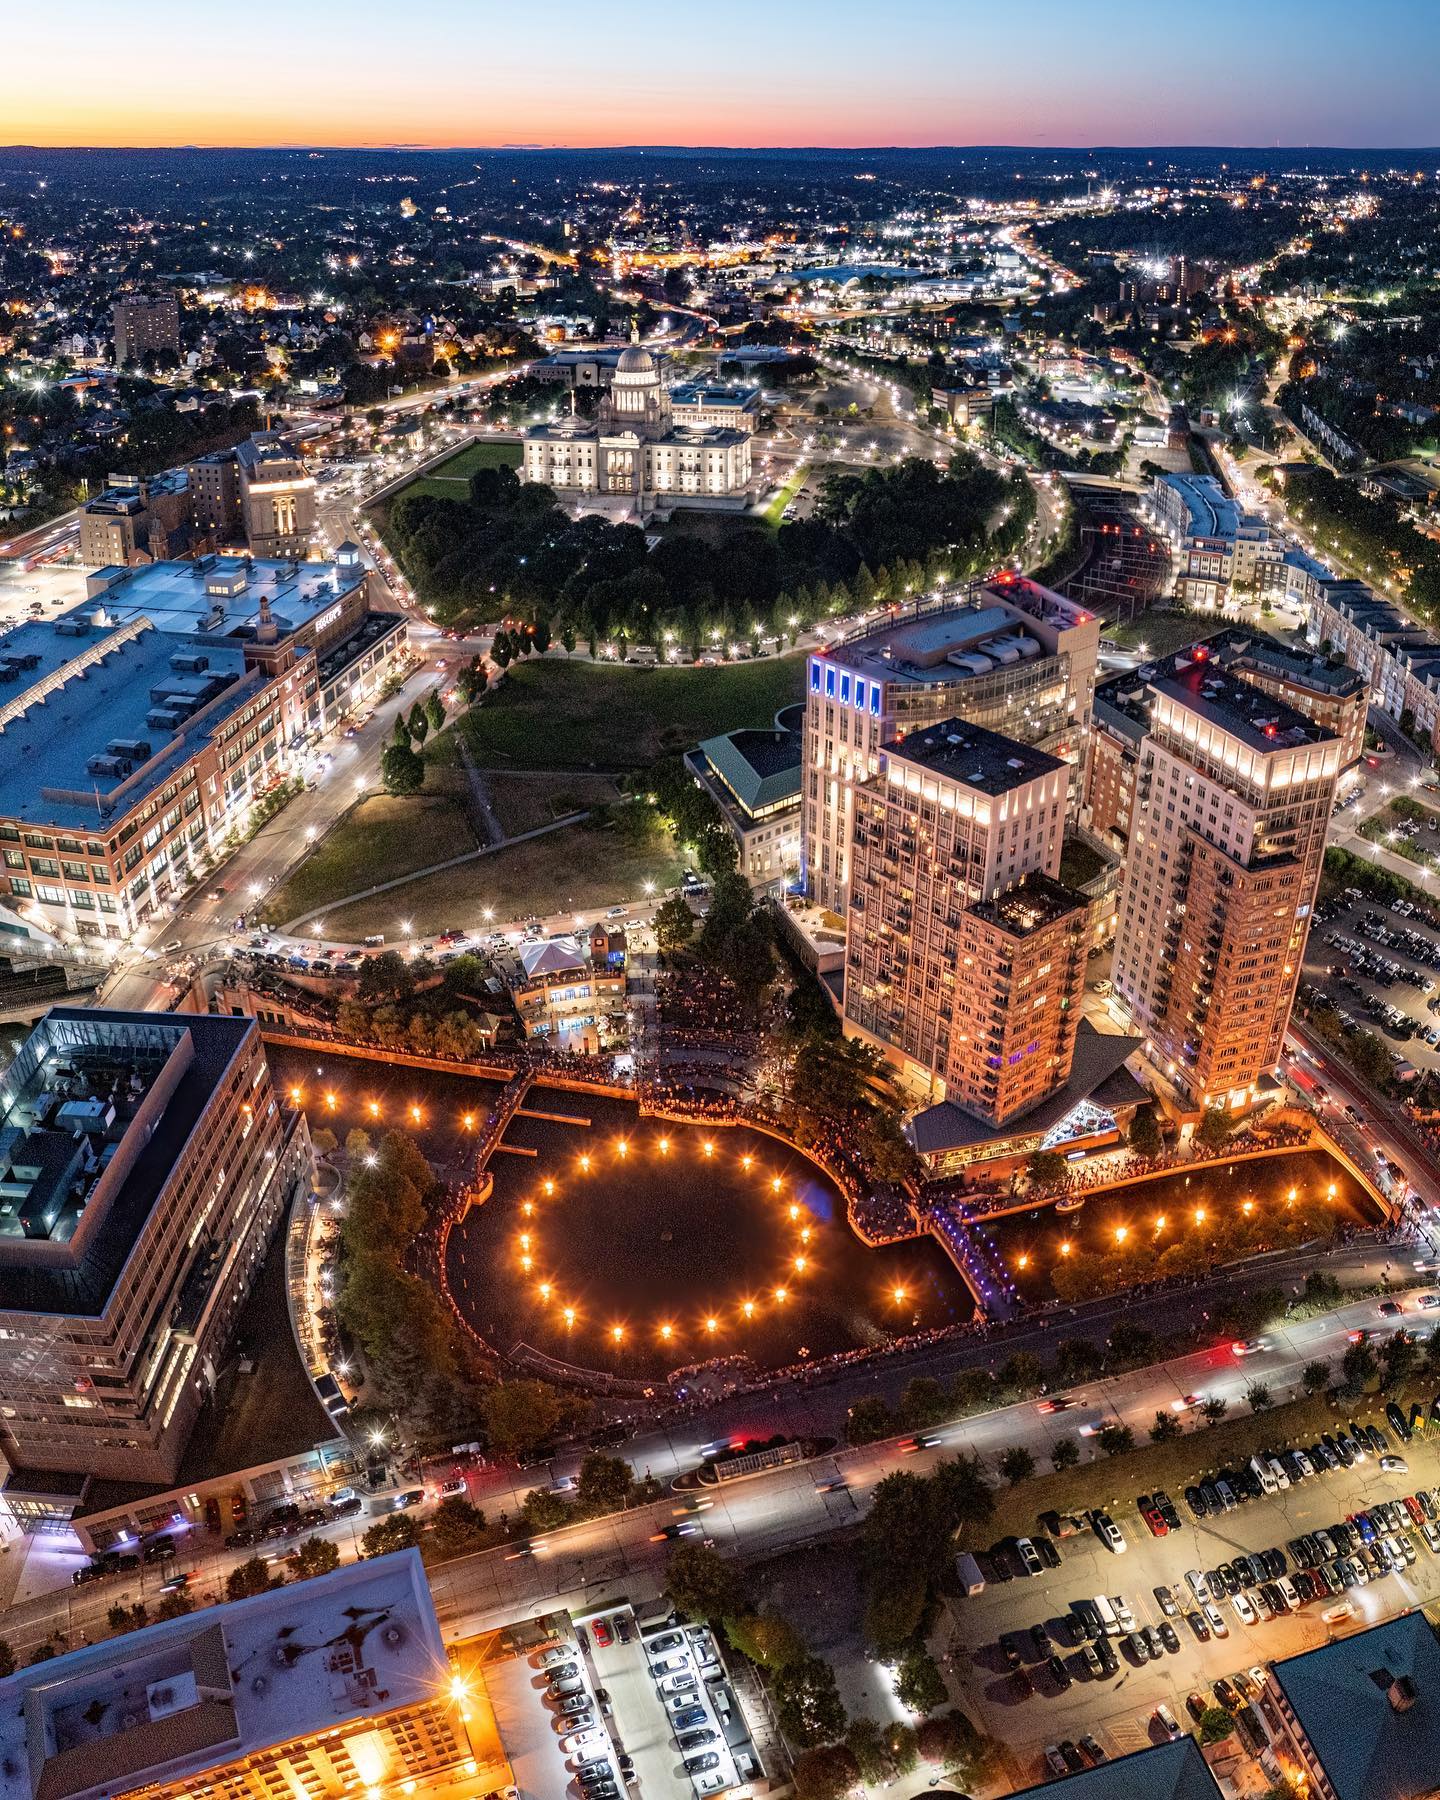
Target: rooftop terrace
186, 1695
973, 757
95, 1112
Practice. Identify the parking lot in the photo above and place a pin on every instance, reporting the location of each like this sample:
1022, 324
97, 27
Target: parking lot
617, 1710
1118, 1708
1380, 966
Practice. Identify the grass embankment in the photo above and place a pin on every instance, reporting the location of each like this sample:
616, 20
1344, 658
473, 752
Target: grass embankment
378, 840
584, 715
450, 480
576, 869
1114, 1481
1162, 632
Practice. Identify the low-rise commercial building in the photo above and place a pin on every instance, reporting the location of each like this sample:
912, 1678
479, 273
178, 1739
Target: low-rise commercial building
141, 726
754, 778
1013, 657
340, 1687
571, 994
1362, 1715
137, 519
144, 1162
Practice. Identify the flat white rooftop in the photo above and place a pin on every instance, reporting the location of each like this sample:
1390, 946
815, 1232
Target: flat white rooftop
185, 1695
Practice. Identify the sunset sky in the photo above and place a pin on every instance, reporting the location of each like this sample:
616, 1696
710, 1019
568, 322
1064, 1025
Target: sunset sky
476, 72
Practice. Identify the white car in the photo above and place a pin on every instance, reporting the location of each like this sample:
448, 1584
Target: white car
1394, 1465
1198, 1585
580, 1741
1216, 1619
1244, 1611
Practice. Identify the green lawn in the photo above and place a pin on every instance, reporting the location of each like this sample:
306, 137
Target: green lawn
377, 840
574, 869
584, 715
1162, 632
450, 480
787, 493
524, 801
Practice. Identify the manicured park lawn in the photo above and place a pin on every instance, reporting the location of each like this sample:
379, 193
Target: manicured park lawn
450, 480
566, 871
584, 715
376, 840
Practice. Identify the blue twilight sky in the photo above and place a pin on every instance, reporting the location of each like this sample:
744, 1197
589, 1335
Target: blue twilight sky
842, 72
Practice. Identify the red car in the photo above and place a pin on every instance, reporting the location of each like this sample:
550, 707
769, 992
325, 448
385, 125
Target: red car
601, 1633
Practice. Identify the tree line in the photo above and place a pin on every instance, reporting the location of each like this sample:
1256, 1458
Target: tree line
511, 548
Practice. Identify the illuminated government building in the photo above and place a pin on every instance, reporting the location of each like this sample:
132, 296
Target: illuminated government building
645, 451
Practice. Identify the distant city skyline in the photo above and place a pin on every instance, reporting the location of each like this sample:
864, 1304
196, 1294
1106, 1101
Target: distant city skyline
473, 74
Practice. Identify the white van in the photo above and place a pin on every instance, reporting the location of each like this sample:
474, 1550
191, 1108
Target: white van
1108, 1620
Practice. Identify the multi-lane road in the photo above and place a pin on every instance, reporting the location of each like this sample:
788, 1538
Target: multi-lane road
618, 1556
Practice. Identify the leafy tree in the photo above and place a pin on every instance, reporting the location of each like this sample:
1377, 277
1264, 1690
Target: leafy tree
1216, 1128
540, 636
868, 1420
919, 1685
251, 1577
674, 925
1315, 1376
43, 1653
520, 1416
127, 1618
1021, 1374
1144, 1135
316, 1556
1258, 1396
1358, 1367
457, 1528
1321, 1288
175, 1605
1166, 1427
419, 724
1115, 1440
903, 1743
923, 1402
544, 1511
396, 1531
766, 1638
807, 1702
1077, 1360
1064, 1454
1017, 1464
827, 1772
894, 1610
1215, 1725
388, 976
1214, 1409
1399, 1358
1132, 1345
866, 1743
604, 1483
704, 1585
567, 638
434, 710
1045, 1167
402, 772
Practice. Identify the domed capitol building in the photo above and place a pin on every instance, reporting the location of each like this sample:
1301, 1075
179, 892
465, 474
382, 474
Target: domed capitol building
643, 453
